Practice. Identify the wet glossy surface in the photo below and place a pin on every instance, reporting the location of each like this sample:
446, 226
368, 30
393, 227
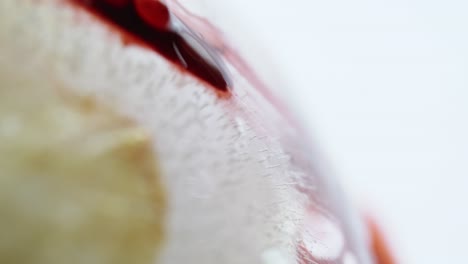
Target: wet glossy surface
149, 22
243, 185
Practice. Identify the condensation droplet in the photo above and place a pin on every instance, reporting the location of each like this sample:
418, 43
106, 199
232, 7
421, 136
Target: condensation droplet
322, 238
349, 258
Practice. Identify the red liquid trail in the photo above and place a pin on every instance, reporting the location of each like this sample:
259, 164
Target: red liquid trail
148, 20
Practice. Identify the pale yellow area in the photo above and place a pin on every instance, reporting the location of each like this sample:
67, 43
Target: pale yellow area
78, 182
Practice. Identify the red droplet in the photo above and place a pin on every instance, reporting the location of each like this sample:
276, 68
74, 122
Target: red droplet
153, 12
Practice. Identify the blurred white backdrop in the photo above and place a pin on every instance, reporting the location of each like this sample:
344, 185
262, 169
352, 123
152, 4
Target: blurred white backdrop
384, 87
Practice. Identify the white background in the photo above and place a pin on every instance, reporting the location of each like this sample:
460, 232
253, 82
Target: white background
384, 87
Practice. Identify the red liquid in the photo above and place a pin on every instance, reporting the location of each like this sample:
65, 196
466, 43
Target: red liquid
147, 20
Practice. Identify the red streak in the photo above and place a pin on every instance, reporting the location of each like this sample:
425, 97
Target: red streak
146, 21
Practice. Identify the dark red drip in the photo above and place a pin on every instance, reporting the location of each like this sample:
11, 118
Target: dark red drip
167, 43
